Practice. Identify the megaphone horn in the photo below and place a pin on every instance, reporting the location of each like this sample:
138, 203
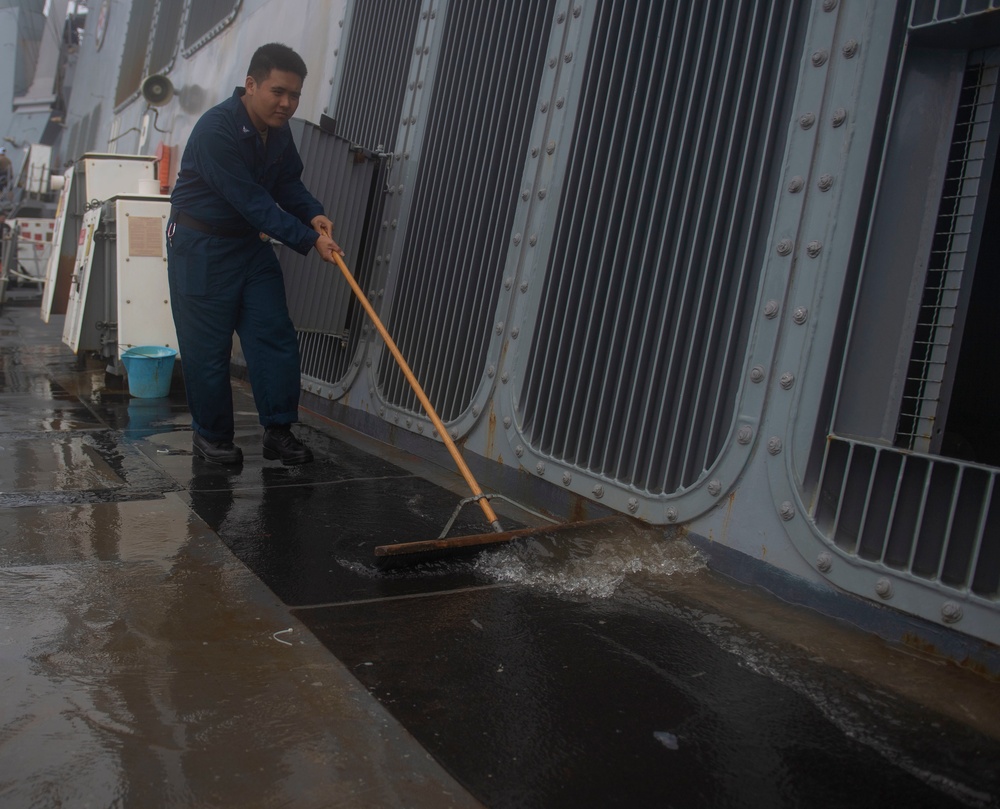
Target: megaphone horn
157, 90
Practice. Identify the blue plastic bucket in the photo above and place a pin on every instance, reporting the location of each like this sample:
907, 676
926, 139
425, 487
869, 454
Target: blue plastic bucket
149, 369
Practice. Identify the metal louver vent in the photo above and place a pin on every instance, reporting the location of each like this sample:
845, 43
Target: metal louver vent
379, 48
368, 111
345, 180
464, 199
925, 516
636, 362
932, 12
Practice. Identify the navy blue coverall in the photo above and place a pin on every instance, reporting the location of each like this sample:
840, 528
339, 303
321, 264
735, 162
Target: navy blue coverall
232, 183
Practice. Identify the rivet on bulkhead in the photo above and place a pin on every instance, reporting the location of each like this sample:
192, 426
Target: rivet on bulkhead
508, 282
825, 182
807, 120
544, 107
540, 468
475, 412
813, 248
553, 62
819, 57
505, 377
829, 5
542, 193
671, 514
800, 315
787, 380
774, 445
550, 147
514, 332
714, 487
567, 478
951, 612
499, 327
757, 374
598, 491
796, 184
517, 239
568, 57
771, 309
883, 588
533, 239
839, 116
633, 505
745, 434
524, 286
850, 49
784, 247
526, 195
824, 562
507, 422
786, 510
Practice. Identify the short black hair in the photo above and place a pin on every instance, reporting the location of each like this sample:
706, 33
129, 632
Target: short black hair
275, 56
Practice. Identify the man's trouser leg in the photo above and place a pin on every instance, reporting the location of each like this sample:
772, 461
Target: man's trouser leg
269, 342
206, 279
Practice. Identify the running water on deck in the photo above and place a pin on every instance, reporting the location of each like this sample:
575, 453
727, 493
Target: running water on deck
590, 567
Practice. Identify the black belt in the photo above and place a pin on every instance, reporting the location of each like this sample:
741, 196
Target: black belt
182, 218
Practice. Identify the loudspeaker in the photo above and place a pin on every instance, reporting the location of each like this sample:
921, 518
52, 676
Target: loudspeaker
157, 90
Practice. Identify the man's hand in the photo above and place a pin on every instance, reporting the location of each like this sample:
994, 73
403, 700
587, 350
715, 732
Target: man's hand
322, 225
325, 245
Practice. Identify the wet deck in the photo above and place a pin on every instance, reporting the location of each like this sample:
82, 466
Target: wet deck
174, 633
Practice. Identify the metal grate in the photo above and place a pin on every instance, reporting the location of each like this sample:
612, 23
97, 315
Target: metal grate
345, 180
378, 54
932, 12
379, 51
930, 517
464, 199
635, 366
918, 418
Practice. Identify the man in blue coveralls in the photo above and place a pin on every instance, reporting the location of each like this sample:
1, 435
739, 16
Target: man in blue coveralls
239, 183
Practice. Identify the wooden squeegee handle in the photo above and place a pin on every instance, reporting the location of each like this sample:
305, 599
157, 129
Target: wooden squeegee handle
477, 492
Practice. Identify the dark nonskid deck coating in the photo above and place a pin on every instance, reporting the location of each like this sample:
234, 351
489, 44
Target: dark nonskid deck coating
527, 694
556, 702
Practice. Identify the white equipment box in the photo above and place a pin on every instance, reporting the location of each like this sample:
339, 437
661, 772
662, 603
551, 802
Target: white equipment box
119, 296
88, 184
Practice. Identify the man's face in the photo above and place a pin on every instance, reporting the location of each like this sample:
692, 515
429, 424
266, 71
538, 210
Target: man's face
273, 101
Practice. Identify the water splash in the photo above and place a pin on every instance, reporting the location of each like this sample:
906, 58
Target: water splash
589, 568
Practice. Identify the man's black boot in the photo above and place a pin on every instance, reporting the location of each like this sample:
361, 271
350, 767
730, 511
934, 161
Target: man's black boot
221, 452
280, 442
